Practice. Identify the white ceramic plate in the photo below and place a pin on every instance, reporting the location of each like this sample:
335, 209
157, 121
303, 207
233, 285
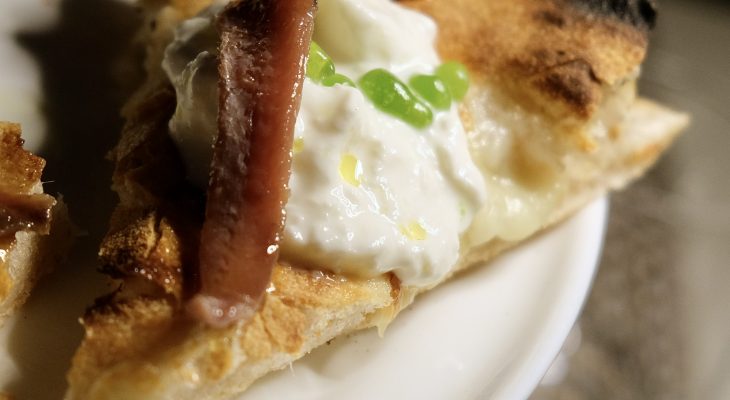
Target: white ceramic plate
489, 333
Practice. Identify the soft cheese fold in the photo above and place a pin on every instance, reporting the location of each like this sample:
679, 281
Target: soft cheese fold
370, 194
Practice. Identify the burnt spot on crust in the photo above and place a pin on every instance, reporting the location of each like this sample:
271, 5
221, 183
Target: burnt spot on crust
640, 13
568, 82
158, 248
558, 74
555, 58
550, 17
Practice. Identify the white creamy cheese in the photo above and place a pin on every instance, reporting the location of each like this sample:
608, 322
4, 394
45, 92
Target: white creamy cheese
369, 193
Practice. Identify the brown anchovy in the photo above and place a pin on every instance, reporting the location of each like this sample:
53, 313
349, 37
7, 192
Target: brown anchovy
262, 54
24, 212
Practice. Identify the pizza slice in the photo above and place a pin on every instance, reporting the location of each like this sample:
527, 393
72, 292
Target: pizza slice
417, 138
35, 232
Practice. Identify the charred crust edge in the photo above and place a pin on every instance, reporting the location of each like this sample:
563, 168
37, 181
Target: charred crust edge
640, 13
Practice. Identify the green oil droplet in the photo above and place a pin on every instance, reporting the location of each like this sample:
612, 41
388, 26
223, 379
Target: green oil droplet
432, 89
319, 64
455, 77
393, 97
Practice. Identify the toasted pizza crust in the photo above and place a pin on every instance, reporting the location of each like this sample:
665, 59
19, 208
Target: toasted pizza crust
139, 344
556, 57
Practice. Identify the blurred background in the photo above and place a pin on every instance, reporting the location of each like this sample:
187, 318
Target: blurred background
657, 322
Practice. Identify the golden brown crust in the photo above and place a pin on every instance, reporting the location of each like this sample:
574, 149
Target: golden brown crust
147, 165
556, 56
128, 340
153, 233
148, 248
20, 171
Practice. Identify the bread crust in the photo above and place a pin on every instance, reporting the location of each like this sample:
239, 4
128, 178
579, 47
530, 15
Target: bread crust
20, 171
31, 256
